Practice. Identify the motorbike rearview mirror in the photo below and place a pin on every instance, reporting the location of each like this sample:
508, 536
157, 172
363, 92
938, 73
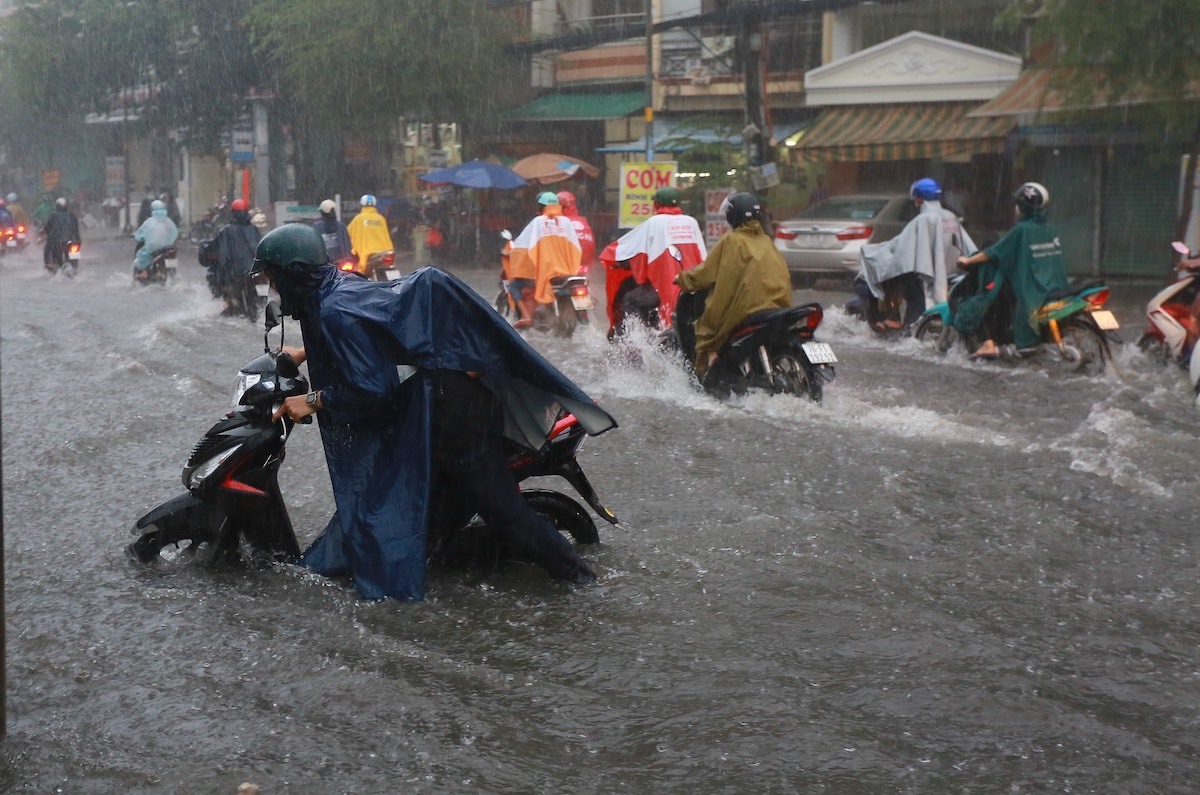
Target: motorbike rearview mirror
507, 235
272, 317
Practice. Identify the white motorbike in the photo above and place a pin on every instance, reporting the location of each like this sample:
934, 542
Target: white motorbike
1169, 315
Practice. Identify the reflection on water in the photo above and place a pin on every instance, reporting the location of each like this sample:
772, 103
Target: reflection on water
948, 577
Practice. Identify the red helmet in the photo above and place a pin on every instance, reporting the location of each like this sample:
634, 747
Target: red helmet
240, 204
566, 197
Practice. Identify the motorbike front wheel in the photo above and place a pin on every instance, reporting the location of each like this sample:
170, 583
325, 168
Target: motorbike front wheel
169, 542
567, 516
930, 329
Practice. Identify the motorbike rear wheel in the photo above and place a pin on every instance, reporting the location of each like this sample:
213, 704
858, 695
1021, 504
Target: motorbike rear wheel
568, 319
791, 376
1085, 348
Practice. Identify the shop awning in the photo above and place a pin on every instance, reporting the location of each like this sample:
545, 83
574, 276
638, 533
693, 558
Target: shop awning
579, 107
1036, 92
675, 136
902, 132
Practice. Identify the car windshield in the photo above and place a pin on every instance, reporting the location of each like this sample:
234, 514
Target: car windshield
846, 208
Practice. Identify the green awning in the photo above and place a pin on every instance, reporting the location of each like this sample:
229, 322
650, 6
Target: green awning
579, 107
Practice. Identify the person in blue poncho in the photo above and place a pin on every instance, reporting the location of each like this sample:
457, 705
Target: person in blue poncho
414, 382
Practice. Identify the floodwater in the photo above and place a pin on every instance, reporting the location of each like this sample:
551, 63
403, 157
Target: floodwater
950, 577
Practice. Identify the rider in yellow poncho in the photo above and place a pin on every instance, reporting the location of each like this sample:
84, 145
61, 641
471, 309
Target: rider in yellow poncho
746, 275
368, 232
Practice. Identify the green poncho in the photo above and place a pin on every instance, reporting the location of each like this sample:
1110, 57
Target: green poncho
1029, 259
747, 275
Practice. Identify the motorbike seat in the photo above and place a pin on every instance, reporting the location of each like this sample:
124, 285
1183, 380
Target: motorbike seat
1070, 290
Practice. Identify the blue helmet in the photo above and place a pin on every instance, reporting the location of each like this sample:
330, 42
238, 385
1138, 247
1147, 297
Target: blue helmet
367, 200
927, 189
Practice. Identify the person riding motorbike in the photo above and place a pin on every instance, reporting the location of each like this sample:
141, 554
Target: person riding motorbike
158, 232
17, 210
333, 232
413, 382
1028, 261
583, 229
641, 265
368, 232
6, 219
236, 243
61, 228
172, 207
42, 212
546, 248
915, 261
746, 274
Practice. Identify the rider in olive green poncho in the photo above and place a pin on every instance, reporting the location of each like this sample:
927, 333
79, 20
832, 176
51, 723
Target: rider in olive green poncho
746, 275
1029, 259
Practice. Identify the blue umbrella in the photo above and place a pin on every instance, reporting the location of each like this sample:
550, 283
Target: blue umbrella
476, 174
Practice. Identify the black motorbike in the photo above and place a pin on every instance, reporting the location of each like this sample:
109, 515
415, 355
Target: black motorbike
773, 350
64, 259
232, 501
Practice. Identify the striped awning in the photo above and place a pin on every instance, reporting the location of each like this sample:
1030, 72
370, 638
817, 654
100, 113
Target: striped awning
1040, 91
911, 131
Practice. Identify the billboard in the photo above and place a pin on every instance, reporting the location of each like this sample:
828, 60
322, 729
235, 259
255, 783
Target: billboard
639, 181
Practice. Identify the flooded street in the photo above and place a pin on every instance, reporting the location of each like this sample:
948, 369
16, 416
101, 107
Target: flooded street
949, 577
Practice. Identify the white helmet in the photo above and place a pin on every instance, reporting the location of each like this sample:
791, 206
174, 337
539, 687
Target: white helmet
12, 197
1032, 196
158, 205
367, 200
328, 207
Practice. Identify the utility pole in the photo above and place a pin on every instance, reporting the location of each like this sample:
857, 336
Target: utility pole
649, 81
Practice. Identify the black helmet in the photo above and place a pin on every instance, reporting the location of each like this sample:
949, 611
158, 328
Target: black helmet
291, 246
740, 208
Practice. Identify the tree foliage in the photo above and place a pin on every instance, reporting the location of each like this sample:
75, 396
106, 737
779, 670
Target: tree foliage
435, 60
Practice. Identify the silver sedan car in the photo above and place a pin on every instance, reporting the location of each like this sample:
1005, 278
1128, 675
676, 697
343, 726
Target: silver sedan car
824, 240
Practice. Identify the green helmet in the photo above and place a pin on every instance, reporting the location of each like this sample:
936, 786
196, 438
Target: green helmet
290, 246
549, 197
666, 197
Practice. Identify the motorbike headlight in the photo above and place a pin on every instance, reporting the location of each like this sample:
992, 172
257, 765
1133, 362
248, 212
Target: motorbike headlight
201, 473
244, 382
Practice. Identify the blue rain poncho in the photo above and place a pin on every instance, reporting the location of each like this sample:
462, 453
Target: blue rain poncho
369, 345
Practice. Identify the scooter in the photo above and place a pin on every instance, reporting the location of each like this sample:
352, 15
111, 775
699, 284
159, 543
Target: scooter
232, 496
164, 264
1169, 313
773, 351
572, 299
1075, 327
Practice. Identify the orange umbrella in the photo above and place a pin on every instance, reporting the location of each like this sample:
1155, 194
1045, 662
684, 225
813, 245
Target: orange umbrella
546, 168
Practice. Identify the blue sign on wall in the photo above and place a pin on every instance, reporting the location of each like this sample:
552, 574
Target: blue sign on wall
242, 146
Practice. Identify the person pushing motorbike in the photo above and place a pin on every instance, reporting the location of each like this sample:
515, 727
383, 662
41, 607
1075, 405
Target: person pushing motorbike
746, 274
916, 260
414, 384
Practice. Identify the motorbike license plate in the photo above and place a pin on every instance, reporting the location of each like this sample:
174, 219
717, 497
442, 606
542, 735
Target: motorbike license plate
262, 289
819, 352
170, 263
581, 302
22, 236
392, 273
1106, 320
11, 243
74, 255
